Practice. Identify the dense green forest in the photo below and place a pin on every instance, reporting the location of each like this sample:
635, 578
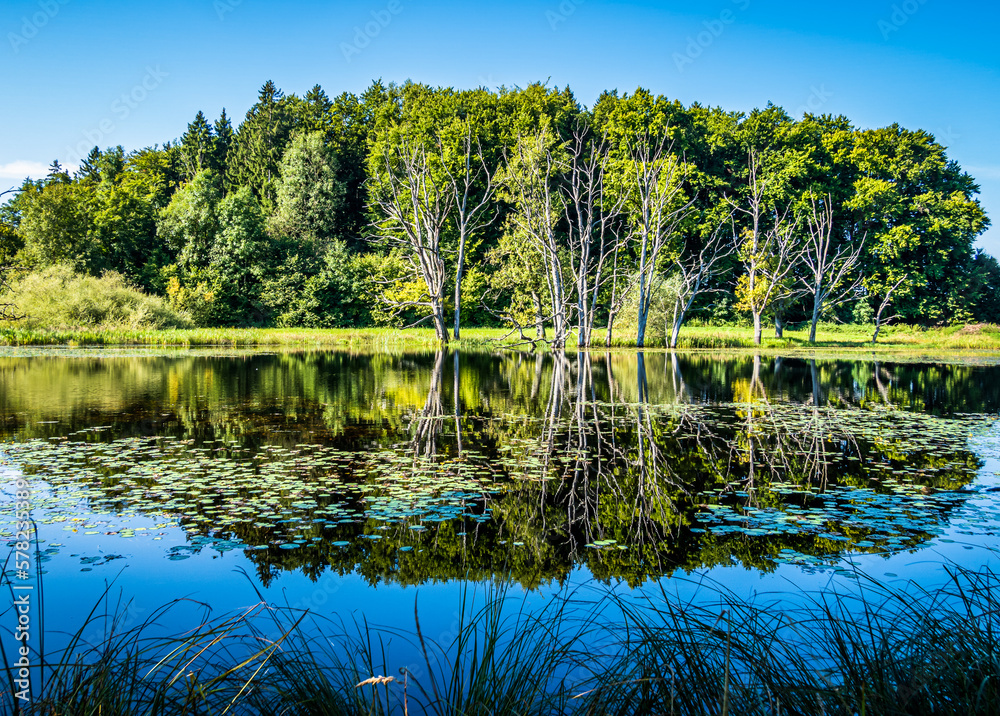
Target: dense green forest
516, 207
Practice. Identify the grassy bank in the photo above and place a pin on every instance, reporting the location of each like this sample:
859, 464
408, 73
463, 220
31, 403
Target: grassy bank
977, 338
879, 650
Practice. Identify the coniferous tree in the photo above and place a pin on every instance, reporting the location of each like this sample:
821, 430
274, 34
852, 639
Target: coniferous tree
197, 147
259, 145
90, 167
223, 142
317, 113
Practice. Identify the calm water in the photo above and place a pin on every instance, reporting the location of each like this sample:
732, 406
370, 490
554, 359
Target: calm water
347, 482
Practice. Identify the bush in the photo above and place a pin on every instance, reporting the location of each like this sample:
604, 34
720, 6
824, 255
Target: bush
56, 297
663, 293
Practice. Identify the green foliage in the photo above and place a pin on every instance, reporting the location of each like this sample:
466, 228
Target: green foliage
55, 224
189, 225
237, 260
197, 147
315, 164
310, 196
255, 156
663, 296
330, 295
57, 297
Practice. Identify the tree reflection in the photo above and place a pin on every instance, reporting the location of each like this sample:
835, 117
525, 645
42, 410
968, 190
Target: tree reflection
614, 461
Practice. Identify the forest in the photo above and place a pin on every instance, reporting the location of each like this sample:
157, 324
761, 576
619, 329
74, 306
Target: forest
410, 204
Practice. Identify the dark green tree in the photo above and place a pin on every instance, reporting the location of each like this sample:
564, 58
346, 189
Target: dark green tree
197, 147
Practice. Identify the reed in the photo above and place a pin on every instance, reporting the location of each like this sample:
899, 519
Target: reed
876, 649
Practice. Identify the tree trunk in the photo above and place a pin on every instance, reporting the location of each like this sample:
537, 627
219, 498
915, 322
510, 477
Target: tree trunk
642, 386
458, 291
757, 329
815, 320
611, 328
675, 331
779, 324
878, 322
440, 326
456, 398
640, 338
817, 388
583, 322
536, 301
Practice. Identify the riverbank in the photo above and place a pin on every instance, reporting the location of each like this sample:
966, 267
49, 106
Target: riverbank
971, 338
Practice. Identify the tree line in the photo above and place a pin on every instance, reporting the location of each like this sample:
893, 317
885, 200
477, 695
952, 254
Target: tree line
521, 207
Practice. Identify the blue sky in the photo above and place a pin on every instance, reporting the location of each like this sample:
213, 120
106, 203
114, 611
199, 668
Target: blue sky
76, 73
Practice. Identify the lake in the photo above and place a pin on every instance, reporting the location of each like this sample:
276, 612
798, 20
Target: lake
349, 483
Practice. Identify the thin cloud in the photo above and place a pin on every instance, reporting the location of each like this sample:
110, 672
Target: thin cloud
21, 168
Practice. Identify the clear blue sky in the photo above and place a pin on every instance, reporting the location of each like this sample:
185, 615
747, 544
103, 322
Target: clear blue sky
66, 64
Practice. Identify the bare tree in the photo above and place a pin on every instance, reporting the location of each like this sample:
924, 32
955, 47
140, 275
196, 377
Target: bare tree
471, 212
656, 207
767, 249
886, 301
530, 181
619, 295
828, 272
590, 211
695, 271
415, 205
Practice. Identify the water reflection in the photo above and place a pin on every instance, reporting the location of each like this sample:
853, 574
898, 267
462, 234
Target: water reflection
633, 465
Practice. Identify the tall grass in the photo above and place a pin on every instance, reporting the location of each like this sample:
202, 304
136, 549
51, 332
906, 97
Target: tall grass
842, 338
57, 298
879, 649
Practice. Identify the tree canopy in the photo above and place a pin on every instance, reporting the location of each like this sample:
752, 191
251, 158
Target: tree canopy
521, 207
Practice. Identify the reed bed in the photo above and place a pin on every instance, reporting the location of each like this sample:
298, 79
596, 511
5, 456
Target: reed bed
876, 649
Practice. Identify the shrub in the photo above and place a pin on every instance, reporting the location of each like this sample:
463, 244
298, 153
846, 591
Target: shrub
56, 297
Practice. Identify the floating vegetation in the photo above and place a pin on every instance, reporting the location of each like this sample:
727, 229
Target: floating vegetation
628, 486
